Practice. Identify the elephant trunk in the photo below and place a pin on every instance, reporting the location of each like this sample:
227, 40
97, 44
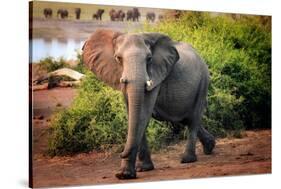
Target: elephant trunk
136, 126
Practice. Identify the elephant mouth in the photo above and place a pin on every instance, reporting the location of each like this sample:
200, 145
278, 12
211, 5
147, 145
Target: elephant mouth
148, 83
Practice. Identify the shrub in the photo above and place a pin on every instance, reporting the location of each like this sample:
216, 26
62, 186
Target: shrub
238, 53
95, 120
50, 64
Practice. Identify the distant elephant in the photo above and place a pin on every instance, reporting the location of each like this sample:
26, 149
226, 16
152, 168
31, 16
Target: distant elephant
77, 13
62, 13
136, 14
48, 12
121, 15
159, 78
129, 15
150, 16
160, 17
98, 14
133, 14
113, 15
174, 14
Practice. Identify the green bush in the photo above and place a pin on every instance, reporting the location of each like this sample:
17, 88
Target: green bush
238, 53
50, 64
95, 120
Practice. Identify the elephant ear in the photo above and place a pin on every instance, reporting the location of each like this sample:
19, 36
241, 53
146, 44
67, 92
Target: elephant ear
98, 56
164, 56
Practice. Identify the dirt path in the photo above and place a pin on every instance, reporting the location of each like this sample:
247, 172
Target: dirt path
248, 155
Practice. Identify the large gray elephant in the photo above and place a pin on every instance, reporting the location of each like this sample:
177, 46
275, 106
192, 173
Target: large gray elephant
159, 78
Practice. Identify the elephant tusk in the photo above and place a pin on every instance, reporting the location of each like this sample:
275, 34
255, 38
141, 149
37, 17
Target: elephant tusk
149, 83
122, 80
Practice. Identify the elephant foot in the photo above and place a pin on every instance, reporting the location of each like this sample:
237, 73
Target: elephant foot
126, 175
209, 146
127, 170
189, 158
141, 166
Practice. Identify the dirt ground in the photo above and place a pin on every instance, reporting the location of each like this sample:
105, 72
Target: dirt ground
249, 155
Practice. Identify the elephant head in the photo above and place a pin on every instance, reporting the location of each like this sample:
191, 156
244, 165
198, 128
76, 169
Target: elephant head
134, 63
121, 59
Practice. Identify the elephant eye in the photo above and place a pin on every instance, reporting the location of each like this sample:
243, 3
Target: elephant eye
118, 59
149, 59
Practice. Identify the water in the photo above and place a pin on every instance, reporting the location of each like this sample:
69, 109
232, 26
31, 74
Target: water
56, 48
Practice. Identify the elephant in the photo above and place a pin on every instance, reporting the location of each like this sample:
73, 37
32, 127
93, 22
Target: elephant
62, 13
160, 17
133, 14
129, 15
77, 13
116, 15
174, 14
159, 78
98, 14
136, 14
150, 16
113, 15
121, 15
48, 12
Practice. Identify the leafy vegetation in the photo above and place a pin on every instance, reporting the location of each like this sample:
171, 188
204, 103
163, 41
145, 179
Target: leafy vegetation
238, 53
50, 64
96, 120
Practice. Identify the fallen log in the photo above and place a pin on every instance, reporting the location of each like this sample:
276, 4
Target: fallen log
61, 72
52, 79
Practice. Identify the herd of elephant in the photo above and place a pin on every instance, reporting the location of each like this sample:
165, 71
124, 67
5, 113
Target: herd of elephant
115, 15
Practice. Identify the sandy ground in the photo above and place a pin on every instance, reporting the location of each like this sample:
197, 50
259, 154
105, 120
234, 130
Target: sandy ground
249, 155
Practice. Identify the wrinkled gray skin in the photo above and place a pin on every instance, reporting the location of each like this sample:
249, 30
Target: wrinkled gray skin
159, 78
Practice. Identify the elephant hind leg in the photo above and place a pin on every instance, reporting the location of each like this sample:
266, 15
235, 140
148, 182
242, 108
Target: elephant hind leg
145, 162
207, 140
189, 155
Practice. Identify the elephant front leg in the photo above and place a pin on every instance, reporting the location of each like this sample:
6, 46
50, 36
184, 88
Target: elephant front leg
128, 170
145, 162
139, 115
